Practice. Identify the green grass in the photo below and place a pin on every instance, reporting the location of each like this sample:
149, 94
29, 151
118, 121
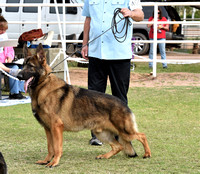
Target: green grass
144, 67
190, 68
169, 117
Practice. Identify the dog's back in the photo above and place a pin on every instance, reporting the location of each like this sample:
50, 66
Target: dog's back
3, 166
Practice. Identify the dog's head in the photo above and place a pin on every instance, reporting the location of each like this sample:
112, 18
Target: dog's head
35, 67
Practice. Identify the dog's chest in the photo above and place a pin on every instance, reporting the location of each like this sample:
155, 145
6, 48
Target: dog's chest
40, 119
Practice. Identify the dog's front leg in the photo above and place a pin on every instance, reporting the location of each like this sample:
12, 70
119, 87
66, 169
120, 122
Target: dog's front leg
50, 149
57, 137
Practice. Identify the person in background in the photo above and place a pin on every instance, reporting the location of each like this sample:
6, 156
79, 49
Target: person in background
161, 35
108, 57
6, 58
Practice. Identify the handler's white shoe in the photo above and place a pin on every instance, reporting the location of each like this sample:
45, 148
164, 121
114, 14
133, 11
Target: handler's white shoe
95, 142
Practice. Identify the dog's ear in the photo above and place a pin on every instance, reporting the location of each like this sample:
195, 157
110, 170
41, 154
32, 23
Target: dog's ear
26, 51
40, 53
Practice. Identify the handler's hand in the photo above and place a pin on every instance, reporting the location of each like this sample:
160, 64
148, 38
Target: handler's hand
84, 52
126, 12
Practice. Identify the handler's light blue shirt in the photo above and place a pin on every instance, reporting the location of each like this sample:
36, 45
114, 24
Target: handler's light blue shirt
101, 13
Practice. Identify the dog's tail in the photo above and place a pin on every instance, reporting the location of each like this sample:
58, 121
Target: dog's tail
131, 125
134, 123
130, 128
125, 123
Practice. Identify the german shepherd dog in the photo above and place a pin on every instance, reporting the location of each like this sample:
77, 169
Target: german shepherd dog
60, 107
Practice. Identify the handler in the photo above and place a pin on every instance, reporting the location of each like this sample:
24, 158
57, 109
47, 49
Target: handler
108, 57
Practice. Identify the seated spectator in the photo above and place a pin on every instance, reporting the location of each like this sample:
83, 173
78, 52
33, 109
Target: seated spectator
6, 57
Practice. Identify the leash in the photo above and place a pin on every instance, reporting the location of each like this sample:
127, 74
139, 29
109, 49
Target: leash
10, 76
115, 31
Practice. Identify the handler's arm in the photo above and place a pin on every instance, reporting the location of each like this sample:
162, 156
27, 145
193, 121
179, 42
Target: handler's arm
137, 14
84, 51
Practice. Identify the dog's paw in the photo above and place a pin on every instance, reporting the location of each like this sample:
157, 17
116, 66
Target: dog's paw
147, 155
133, 156
52, 164
100, 157
105, 156
42, 162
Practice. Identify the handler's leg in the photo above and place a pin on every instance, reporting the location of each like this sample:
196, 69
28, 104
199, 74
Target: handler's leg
97, 80
119, 74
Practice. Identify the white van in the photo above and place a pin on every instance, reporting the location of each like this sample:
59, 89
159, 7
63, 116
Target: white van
48, 14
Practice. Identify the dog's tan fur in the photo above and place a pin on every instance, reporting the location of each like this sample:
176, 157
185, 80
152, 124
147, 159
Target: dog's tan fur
61, 107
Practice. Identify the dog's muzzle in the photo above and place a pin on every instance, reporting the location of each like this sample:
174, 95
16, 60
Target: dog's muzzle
20, 76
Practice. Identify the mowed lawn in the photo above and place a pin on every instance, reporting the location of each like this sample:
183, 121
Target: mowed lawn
169, 116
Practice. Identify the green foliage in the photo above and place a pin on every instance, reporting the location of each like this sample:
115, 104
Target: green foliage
189, 9
197, 14
168, 116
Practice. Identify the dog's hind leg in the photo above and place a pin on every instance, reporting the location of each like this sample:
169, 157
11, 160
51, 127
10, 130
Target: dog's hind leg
142, 138
57, 139
50, 149
128, 148
109, 137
